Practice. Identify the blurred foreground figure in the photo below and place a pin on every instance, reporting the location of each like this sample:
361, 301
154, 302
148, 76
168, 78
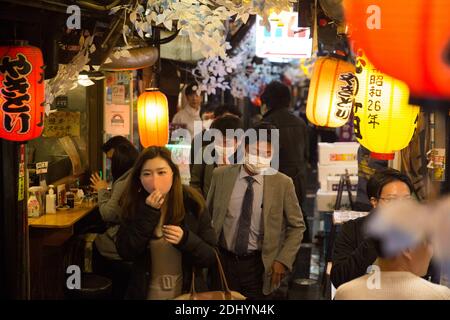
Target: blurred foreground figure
353, 251
400, 233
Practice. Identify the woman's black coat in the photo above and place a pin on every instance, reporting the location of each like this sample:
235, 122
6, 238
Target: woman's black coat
196, 246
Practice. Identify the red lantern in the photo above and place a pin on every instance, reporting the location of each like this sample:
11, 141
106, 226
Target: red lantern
153, 118
408, 40
21, 93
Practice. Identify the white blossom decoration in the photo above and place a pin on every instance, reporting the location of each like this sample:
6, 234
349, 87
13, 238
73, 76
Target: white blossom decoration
67, 76
203, 21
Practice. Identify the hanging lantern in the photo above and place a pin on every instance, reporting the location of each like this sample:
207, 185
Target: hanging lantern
153, 118
21, 93
383, 120
409, 40
331, 92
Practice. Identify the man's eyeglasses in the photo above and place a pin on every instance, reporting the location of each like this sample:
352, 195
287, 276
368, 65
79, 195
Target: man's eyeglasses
389, 199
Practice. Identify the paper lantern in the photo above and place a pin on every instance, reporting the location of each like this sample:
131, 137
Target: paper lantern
21, 93
409, 40
383, 120
331, 92
153, 118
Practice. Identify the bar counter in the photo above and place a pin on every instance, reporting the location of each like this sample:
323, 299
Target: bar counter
60, 219
55, 243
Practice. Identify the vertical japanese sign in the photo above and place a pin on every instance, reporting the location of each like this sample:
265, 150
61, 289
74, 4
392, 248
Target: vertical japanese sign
21, 180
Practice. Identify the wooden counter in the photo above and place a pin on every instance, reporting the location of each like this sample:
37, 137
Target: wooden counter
61, 219
52, 247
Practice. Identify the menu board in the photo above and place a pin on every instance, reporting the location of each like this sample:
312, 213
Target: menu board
61, 123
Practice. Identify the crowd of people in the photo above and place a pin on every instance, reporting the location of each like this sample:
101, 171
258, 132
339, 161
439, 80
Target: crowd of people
162, 235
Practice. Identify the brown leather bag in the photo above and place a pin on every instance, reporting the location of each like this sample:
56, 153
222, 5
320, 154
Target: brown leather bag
226, 294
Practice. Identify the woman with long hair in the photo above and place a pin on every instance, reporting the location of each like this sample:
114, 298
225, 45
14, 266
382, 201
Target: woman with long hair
166, 229
105, 259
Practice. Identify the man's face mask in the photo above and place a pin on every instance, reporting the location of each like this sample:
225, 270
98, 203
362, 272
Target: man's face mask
257, 164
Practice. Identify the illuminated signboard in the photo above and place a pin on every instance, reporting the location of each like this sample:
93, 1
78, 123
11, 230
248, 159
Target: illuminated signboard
284, 40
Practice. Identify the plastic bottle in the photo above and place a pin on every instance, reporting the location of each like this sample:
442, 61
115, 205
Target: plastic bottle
33, 204
50, 201
70, 199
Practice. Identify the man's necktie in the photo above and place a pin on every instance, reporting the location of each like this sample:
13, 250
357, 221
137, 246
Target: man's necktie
245, 219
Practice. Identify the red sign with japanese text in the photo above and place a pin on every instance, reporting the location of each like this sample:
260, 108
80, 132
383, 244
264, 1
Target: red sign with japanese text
21, 93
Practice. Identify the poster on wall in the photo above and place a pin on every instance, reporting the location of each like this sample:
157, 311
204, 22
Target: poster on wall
60, 124
436, 158
117, 119
118, 94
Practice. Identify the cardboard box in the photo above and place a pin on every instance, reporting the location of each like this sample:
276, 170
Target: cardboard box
342, 216
325, 200
338, 153
333, 183
325, 171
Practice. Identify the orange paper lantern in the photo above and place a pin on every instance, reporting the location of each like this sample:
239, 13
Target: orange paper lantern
331, 92
409, 40
384, 122
153, 118
21, 93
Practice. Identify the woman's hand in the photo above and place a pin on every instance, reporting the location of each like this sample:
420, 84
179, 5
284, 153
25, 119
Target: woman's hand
172, 234
98, 183
155, 199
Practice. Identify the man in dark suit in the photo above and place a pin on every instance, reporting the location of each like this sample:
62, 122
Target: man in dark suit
294, 143
258, 219
201, 173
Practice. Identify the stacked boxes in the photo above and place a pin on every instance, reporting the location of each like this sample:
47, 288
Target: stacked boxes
334, 159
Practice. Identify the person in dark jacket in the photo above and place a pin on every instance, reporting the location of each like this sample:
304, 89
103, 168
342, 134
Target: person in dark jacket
105, 259
198, 143
166, 230
223, 151
353, 252
294, 148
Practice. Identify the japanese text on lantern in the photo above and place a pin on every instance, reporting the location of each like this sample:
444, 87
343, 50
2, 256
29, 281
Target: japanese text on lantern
375, 93
360, 63
15, 94
345, 95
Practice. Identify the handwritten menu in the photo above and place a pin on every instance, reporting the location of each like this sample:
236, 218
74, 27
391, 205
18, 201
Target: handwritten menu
59, 124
